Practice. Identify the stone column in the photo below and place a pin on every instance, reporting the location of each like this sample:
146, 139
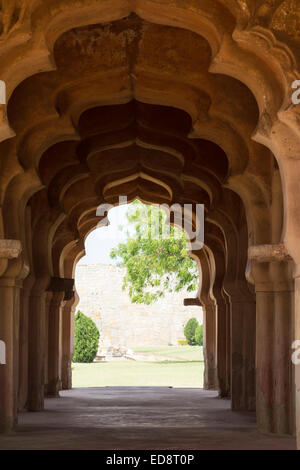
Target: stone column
9, 335
67, 340
210, 343
48, 298
243, 336
209, 320
228, 342
272, 272
37, 338
208, 304
58, 287
54, 344
222, 343
24, 339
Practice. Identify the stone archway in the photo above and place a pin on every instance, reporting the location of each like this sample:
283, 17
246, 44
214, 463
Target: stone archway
171, 103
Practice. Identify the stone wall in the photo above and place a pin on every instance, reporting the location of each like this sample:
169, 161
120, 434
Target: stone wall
122, 323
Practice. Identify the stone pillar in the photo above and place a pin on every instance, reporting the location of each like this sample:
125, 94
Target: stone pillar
243, 336
54, 344
222, 343
48, 298
67, 340
272, 272
209, 319
9, 335
24, 347
228, 342
37, 338
62, 292
210, 343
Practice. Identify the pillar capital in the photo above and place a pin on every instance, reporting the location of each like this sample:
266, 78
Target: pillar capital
60, 284
268, 253
271, 268
10, 249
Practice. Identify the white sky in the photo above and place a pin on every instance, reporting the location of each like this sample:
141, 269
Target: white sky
100, 242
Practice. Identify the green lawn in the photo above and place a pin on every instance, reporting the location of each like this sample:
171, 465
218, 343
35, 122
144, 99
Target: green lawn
185, 369
180, 353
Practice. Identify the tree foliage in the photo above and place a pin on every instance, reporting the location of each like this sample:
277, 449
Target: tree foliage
155, 256
86, 339
190, 330
199, 335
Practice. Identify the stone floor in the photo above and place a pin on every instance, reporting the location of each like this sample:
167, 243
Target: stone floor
139, 418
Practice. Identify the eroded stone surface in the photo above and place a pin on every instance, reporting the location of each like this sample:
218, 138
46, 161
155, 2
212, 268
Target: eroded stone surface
10, 248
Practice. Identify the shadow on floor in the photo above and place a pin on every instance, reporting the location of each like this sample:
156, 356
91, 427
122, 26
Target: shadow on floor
156, 418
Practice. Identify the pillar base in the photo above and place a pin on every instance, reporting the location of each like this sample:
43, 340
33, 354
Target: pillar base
211, 380
53, 388
66, 373
7, 424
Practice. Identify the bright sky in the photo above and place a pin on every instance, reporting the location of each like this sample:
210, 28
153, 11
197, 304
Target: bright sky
100, 242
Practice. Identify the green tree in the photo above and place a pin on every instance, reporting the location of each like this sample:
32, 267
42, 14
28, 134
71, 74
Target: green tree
155, 256
199, 335
190, 330
86, 339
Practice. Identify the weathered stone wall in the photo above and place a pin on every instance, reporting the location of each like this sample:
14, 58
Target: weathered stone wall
122, 323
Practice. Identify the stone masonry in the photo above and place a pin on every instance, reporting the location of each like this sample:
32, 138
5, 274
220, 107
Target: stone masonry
122, 323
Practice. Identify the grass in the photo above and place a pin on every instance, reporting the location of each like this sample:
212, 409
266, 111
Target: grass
184, 353
183, 369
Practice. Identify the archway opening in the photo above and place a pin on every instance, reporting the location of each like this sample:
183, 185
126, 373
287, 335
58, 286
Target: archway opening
136, 297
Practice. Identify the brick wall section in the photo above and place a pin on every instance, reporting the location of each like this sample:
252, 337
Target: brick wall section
122, 323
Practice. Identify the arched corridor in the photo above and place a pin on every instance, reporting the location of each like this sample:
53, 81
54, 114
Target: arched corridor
172, 102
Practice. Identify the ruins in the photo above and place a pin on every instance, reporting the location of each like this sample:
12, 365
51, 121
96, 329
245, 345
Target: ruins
122, 323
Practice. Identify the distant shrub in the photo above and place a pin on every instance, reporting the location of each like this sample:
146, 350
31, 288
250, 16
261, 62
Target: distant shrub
189, 331
86, 339
199, 335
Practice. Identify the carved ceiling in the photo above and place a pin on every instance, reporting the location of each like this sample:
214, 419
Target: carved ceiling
141, 108
282, 16
132, 109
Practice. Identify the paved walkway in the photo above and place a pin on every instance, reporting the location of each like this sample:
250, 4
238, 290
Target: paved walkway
139, 418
